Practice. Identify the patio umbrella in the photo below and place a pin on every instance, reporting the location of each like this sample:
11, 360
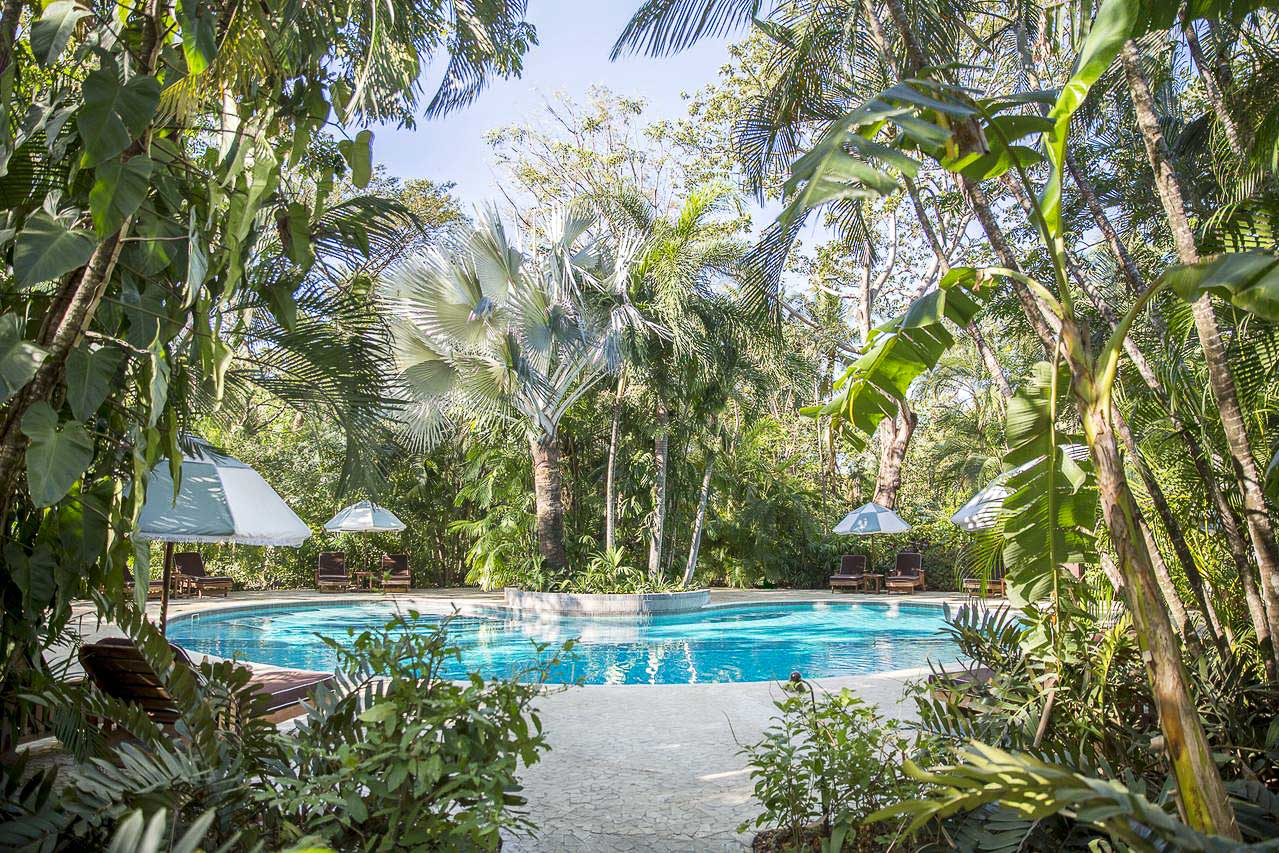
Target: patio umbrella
871, 518
219, 499
364, 517
982, 510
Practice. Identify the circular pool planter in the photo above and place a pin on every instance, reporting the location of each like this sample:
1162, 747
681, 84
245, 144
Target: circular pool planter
606, 604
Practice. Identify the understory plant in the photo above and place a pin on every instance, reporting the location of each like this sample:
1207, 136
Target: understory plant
608, 571
401, 757
396, 757
825, 763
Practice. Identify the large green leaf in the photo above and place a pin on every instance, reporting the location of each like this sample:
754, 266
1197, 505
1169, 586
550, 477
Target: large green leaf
1048, 518
897, 352
118, 189
90, 373
199, 34
1248, 280
19, 358
358, 153
114, 113
33, 574
57, 455
46, 249
50, 34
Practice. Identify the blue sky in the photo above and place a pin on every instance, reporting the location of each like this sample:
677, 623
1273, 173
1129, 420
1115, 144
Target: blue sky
575, 39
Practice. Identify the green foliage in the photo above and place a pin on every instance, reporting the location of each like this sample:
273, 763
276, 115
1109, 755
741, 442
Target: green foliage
403, 758
825, 765
394, 757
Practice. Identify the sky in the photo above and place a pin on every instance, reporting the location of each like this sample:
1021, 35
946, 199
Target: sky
575, 37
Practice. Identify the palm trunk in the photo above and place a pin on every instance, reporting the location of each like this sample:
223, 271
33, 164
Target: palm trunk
700, 522
610, 469
661, 454
549, 501
1256, 514
895, 435
1266, 630
1214, 87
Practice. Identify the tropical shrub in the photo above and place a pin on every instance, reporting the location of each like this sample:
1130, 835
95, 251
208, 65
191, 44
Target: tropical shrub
822, 768
395, 758
401, 757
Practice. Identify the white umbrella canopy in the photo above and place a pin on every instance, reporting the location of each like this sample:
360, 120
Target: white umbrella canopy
364, 517
982, 510
219, 500
871, 518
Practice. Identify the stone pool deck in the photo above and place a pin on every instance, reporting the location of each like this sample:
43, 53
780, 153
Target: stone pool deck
640, 767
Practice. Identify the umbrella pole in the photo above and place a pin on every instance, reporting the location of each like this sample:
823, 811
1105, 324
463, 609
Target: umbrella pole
164, 593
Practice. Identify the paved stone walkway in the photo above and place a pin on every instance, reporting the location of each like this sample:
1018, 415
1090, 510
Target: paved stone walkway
655, 767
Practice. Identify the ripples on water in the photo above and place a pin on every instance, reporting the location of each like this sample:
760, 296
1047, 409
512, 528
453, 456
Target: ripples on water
747, 643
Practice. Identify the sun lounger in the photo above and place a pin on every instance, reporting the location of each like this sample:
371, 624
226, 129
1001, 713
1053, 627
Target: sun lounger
961, 688
908, 575
396, 576
851, 574
993, 585
330, 572
155, 586
193, 578
118, 669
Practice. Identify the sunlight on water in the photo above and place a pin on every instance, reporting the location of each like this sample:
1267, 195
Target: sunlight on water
746, 643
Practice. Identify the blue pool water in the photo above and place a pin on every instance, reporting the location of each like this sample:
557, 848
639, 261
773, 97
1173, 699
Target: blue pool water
746, 643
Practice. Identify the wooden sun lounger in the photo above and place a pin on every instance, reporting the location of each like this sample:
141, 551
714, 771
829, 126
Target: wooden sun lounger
192, 576
330, 572
984, 586
908, 575
155, 586
118, 669
396, 574
851, 574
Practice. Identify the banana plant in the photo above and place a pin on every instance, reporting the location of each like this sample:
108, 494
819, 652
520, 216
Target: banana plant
981, 138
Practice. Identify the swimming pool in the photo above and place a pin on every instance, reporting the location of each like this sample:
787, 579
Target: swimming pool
717, 644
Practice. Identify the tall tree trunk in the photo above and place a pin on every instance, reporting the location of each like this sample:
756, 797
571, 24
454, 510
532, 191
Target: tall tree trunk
1176, 606
700, 522
1256, 514
894, 441
610, 468
1214, 86
548, 498
1240, 551
661, 453
1200, 792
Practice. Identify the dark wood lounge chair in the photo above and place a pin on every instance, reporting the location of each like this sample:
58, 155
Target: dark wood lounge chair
396, 576
118, 669
193, 578
851, 574
330, 572
155, 586
993, 585
908, 575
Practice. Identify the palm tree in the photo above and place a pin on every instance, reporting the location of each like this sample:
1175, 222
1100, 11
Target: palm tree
488, 331
664, 313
